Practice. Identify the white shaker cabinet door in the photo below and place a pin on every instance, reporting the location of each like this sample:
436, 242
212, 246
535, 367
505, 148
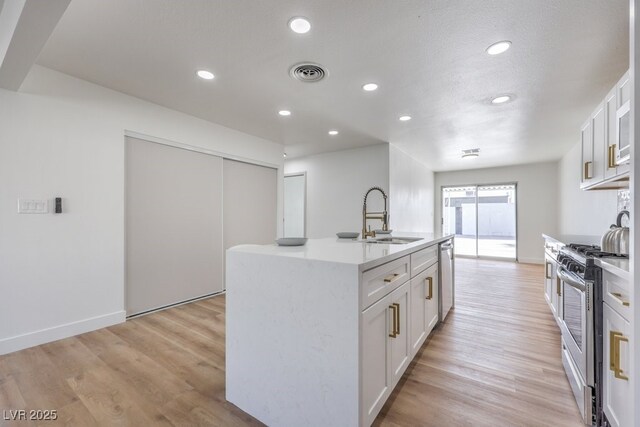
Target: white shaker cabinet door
377, 325
432, 298
586, 166
418, 292
400, 344
599, 143
617, 369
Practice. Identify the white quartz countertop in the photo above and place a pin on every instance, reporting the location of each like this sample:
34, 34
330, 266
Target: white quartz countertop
348, 251
565, 239
619, 267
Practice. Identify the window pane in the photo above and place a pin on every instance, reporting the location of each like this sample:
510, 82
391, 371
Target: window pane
497, 221
459, 217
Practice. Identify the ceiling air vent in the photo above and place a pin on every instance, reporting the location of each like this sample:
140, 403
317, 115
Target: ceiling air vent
308, 72
472, 152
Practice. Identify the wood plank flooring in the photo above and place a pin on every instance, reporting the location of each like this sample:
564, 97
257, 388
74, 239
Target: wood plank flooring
494, 362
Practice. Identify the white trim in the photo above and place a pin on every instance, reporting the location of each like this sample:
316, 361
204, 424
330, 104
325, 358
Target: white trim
158, 140
287, 175
31, 339
531, 261
176, 304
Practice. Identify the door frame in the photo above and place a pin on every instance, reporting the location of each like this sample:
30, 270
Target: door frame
476, 256
288, 175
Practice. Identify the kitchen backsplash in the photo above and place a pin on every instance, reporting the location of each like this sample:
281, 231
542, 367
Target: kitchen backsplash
624, 203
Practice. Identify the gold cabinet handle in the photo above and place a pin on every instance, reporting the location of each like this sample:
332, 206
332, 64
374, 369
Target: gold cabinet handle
618, 297
390, 278
611, 156
394, 308
558, 287
587, 175
430, 282
615, 338
398, 318
547, 264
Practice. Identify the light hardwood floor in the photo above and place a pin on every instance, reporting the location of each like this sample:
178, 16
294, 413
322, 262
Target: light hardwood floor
494, 362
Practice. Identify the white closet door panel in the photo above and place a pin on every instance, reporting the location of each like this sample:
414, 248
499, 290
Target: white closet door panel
250, 204
174, 225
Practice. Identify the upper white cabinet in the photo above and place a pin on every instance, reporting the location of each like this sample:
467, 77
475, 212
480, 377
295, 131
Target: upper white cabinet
603, 164
586, 136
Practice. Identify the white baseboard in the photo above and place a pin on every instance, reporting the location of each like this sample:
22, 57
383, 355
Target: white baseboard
19, 342
531, 260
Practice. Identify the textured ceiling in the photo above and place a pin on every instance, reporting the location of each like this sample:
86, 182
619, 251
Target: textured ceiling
427, 56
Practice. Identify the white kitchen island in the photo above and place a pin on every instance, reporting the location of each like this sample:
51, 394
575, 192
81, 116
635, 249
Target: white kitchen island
319, 335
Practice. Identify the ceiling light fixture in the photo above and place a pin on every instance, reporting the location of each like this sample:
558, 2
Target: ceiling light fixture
499, 47
333, 132
284, 155
284, 113
370, 87
204, 74
404, 118
472, 152
501, 99
299, 24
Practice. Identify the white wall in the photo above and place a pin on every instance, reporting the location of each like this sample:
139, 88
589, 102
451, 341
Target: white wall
582, 212
336, 183
537, 199
61, 136
411, 193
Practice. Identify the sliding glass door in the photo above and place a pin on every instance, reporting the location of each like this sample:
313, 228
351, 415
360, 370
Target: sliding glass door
483, 219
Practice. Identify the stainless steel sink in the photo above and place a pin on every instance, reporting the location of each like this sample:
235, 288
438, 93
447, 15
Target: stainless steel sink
395, 240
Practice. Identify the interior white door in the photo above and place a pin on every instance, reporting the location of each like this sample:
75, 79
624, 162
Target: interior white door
294, 205
250, 204
173, 225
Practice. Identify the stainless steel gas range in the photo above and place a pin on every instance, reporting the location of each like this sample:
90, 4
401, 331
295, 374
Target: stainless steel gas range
580, 314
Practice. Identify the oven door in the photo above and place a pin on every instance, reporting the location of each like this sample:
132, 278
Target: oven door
575, 322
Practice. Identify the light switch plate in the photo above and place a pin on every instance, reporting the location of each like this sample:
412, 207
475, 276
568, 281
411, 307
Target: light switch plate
30, 206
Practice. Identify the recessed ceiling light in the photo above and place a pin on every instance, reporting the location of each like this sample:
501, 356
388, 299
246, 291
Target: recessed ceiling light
404, 118
501, 99
369, 87
472, 152
499, 47
333, 132
299, 24
284, 113
204, 74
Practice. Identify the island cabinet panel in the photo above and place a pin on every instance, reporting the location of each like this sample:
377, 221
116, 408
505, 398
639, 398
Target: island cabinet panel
400, 345
386, 349
424, 306
432, 298
377, 325
422, 259
381, 280
418, 310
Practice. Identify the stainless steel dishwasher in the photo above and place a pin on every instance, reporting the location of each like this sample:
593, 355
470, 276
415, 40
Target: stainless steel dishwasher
446, 278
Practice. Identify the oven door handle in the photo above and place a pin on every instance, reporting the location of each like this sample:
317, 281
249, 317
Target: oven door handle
565, 277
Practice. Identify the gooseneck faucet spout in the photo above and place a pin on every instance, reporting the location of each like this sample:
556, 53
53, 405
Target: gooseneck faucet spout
383, 216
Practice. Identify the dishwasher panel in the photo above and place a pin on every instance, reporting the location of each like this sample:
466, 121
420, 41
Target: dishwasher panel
446, 278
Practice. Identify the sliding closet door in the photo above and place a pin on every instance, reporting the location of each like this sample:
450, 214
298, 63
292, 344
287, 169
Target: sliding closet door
250, 204
173, 225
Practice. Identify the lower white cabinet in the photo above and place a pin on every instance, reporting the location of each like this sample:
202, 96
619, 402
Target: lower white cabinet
424, 306
617, 369
385, 349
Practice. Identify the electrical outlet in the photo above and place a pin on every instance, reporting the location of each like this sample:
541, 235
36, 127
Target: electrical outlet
30, 206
